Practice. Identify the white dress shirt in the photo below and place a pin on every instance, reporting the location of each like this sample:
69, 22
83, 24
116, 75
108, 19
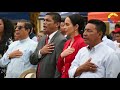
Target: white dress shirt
16, 66
109, 42
118, 52
117, 44
35, 38
102, 56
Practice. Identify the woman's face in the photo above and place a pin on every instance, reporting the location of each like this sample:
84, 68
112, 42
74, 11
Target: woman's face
1, 26
69, 28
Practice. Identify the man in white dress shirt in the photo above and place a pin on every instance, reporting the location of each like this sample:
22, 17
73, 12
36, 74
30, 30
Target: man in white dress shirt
109, 42
117, 37
17, 56
97, 60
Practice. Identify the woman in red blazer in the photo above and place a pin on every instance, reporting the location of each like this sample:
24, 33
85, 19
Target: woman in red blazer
74, 25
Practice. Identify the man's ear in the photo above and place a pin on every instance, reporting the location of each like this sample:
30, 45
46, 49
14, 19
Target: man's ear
28, 30
57, 24
100, 34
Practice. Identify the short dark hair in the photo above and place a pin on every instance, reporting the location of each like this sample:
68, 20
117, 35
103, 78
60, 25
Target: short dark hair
56, 16
78, 19
117, 26
100, 25
28, 24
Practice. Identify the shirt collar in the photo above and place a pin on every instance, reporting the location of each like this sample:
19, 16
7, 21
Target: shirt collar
65, 35
104, 38
95, 47
24, 40
51, 35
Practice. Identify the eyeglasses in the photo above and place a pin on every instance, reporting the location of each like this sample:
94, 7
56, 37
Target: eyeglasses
19, 27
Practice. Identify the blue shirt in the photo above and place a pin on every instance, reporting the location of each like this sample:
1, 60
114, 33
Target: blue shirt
16, 66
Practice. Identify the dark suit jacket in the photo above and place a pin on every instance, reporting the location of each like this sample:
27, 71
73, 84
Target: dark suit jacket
49, 61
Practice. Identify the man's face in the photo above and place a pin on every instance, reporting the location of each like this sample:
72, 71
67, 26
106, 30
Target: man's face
62, 29
49, 25
117, 37
21, 31
16, 35
91, 35
1, 26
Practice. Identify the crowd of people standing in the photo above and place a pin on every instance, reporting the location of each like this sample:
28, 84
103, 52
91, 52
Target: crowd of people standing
67, 48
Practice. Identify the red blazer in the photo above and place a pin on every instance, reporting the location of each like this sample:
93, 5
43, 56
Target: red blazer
64, 64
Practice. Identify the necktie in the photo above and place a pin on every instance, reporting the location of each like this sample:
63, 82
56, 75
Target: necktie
38, 68
46, 40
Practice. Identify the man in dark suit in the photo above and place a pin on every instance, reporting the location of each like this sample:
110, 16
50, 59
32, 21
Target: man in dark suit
46, 55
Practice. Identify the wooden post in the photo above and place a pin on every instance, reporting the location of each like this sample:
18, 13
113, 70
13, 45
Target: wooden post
34, 19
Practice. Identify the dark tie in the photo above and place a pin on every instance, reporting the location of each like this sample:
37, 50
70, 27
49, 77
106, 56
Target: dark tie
38, 68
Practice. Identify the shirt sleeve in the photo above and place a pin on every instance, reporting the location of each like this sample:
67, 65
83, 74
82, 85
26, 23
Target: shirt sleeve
5, 60
112, 66
39, 54
118, 52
